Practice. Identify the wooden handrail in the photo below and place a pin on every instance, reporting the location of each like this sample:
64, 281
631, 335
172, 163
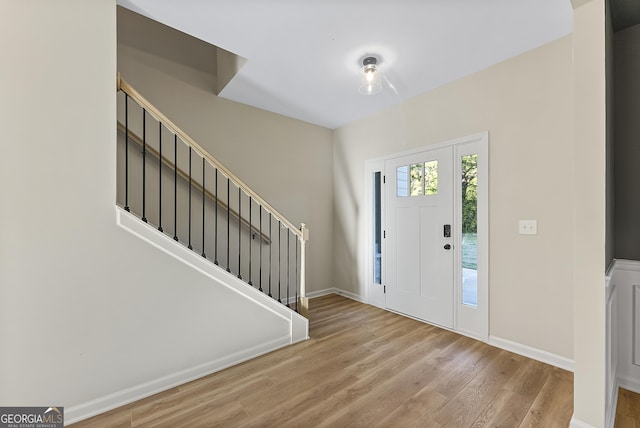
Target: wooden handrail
135, 95
197, 186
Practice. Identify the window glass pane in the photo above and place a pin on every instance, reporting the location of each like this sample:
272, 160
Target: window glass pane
377, 229
402, 180
431, 178
416, 179
470, 229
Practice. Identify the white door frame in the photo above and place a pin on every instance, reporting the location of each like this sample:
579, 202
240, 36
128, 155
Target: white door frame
374, 293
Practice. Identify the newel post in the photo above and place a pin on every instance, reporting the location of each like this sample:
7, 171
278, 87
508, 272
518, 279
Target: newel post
304, 300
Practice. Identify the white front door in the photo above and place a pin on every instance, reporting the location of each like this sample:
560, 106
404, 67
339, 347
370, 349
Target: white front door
419, 243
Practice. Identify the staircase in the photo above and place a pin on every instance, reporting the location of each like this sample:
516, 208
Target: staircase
171, 183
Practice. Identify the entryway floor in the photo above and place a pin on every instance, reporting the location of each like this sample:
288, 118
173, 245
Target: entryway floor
366, 367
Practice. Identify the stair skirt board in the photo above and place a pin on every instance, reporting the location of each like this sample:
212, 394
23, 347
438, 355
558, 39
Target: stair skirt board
129, 222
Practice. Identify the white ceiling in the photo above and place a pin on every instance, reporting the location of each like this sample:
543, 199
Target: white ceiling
304, 56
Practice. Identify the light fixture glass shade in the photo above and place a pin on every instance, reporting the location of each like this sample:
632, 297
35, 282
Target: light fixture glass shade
371, 82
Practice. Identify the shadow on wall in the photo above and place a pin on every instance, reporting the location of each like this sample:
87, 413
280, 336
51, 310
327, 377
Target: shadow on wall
346, 212
178, 54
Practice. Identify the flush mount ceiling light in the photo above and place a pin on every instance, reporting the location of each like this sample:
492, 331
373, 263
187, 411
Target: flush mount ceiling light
372, 82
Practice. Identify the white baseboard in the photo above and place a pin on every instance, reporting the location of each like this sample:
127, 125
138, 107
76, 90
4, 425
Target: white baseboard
623, 264
337, 291
350, 295
120, 398
533, 353
575, 423
610, 412
632, 385
319, 293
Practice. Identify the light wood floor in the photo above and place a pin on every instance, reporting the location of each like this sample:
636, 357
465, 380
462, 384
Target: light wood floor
365, 367
628, 411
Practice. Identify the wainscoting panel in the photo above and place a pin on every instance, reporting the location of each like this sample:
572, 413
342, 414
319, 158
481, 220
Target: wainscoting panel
626, 280
612, 351
636, 325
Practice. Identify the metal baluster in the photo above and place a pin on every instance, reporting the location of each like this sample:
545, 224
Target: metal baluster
260, 281
288, 263
175, 187
215, 221
279, 258
250, 239
228, 230
203, 205
190, 246
144, 164
239, 231
160, 177
126, 153
270, 251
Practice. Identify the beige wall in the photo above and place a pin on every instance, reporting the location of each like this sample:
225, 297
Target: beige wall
526, 105
589, 258
286, 161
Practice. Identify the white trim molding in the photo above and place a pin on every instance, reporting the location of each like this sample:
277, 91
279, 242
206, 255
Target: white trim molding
611, 378
575, 423
533, 353
625, 340
319, 293
632, 385
338, 291
610, 411
350, 295
622, 264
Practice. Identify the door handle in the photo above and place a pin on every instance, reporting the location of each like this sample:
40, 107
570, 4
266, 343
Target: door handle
447, 246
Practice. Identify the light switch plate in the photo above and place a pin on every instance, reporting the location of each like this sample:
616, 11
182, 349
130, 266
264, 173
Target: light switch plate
528, 227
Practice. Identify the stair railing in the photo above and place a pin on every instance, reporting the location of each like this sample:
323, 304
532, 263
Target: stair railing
234, 219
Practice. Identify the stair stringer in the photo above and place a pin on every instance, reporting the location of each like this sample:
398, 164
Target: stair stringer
129, 222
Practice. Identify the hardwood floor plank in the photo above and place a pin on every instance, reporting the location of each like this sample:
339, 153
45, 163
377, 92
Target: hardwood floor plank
118, 418
511, 404
467, 405
506, 410
553, 406
293, 404
628, 410
415, 411
208, 415
365, 366
404, 384
466, 359
370, 380
530, 378
185, 401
